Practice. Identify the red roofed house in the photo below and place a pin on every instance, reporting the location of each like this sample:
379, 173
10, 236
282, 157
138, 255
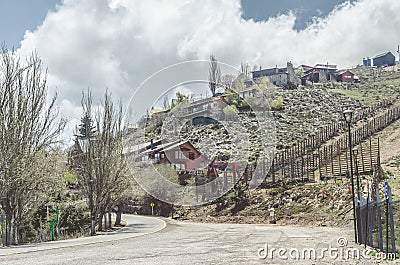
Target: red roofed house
347, 76
182, 155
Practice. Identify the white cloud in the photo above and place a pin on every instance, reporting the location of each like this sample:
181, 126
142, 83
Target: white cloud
117, 44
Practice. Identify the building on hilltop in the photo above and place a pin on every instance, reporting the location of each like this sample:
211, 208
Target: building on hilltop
384, 59
347, 76
182, 155
318, 74
367, 61
283, 77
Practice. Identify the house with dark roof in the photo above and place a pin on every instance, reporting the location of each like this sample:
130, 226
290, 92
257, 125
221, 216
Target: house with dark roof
283, 77
182, 155
384, 59
319, 73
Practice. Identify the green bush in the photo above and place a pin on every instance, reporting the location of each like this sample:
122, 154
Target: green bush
230, 111
277, 103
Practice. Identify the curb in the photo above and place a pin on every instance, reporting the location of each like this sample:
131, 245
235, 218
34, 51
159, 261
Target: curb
87, 243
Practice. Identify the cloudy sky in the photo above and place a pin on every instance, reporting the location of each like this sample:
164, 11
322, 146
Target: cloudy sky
117, 44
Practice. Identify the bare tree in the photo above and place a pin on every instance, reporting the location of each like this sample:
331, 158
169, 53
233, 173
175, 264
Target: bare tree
166, 103
29, 128
227, 81
244, 68
102, 171
214, 75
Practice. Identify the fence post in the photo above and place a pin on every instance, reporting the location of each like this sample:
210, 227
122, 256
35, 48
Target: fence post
378, 206
390, 204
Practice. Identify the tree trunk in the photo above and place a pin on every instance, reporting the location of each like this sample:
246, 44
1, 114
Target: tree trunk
100, 221
119, 215
13, 231
109, 220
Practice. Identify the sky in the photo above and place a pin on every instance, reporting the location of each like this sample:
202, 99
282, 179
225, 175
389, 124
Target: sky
118, 44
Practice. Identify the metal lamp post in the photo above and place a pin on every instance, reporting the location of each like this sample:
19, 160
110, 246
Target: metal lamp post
358, 212
85, 143
347, 115
355, 154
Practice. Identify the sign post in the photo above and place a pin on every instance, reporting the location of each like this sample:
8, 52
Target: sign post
52, 223
152, 208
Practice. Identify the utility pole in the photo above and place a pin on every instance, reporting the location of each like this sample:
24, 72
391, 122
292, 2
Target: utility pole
398, 51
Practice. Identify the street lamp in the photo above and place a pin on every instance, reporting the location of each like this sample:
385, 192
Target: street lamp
358, 212
85, 144
347, 115
355, 154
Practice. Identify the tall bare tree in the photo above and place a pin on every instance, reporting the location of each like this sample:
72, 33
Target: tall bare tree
30, 126
102, 171
214, 75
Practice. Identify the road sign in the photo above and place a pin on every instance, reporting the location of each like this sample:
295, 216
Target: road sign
152, 204
386, 190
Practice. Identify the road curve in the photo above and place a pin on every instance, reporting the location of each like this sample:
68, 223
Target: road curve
198, 243
136, 226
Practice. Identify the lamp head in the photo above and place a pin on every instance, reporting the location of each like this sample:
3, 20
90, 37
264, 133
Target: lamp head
348, 114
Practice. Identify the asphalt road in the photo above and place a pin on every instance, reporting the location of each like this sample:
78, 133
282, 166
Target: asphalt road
142, 242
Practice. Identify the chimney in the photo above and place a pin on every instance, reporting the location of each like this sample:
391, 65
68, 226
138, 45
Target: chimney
151, 144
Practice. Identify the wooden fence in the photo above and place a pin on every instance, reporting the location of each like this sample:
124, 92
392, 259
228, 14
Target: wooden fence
323, 155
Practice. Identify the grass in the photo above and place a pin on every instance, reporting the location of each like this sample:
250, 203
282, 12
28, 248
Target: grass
355, 94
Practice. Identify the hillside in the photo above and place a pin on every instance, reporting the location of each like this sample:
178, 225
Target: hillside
304, 111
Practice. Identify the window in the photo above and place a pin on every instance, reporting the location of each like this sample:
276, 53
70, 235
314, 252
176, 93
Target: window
191, 155
179, 155
179, 166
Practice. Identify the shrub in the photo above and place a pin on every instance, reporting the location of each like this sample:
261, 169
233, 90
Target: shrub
277, 103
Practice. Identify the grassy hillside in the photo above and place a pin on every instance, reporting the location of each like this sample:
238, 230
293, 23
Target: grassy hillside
305, 110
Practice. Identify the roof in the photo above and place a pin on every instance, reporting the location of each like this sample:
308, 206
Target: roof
138, 147
271, 71
382, 54
156, 111
344, 71
176, 145
325, 66
166, 147
159, 148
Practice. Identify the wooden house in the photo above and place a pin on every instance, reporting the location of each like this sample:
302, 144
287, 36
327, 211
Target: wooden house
181, 155
347, 76
384, 59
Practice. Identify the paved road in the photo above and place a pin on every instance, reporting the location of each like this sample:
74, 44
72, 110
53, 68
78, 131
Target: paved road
137, 226
195, 243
